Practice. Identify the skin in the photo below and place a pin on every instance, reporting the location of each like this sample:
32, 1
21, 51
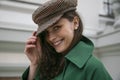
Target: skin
59, 36
32, 48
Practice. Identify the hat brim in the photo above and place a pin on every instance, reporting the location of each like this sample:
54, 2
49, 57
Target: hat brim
48, 23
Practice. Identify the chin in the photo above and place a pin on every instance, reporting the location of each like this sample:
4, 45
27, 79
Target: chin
60, 50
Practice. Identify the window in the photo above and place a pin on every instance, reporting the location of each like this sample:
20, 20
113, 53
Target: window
107, 9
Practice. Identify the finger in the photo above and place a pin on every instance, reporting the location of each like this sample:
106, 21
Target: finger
34, 33
30, 46
38, 44
31, 41
32, 38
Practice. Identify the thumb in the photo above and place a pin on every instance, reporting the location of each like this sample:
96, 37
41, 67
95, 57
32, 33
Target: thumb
34, 33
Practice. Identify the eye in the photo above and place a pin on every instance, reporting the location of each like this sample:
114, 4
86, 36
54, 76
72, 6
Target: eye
56, 28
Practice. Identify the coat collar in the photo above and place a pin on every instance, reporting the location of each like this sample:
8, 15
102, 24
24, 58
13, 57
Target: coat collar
81, 52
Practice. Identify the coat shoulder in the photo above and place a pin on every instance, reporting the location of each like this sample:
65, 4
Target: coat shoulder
94, 62
96, 70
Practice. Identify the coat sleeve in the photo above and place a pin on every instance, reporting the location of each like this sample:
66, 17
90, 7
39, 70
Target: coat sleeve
25, 74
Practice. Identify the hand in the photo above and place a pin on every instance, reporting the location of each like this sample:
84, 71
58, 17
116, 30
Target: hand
33, 49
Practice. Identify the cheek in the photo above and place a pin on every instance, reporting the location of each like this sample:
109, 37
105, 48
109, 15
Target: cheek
68, 32
69, 35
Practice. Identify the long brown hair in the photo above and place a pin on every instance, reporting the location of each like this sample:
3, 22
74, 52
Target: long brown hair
52, 63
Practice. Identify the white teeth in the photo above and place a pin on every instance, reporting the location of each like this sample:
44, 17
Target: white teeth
57, 43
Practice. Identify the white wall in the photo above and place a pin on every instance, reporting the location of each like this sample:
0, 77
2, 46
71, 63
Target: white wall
110, 56
16, 26
89, 10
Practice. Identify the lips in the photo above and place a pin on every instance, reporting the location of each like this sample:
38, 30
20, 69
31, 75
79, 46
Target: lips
57, 43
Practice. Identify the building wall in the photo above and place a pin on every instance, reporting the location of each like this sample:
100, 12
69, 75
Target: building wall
16, 26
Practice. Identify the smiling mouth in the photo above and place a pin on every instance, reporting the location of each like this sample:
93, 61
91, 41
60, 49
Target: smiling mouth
57, 43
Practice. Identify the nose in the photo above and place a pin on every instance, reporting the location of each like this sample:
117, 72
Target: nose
51, 36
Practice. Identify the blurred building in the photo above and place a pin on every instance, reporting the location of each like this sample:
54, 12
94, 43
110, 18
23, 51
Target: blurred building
16, 26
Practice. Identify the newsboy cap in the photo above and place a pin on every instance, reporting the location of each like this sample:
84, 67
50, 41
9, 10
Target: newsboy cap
51, 11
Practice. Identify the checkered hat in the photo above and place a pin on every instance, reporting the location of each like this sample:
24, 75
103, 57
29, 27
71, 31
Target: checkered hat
51, 11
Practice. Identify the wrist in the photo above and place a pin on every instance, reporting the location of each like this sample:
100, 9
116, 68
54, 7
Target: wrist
33, 66
32, 71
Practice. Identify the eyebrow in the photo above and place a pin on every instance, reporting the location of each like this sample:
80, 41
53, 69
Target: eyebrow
52, 26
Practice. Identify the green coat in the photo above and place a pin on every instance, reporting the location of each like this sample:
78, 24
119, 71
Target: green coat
80, 64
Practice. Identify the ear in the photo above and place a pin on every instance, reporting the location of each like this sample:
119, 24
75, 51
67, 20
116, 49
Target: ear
76, 22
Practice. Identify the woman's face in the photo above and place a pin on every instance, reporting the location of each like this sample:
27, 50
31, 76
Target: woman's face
60, 35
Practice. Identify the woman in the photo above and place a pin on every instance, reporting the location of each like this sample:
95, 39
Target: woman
58, 51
